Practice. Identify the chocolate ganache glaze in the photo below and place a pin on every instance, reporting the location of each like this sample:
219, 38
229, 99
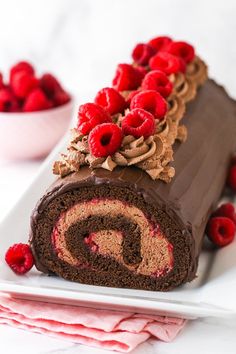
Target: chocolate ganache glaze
176, 213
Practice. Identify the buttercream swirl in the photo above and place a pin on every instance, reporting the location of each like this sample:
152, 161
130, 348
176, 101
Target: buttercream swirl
153, 154
176, 108
184, 87
196, 71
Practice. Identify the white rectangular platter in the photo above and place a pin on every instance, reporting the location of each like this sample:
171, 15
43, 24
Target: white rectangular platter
212, 293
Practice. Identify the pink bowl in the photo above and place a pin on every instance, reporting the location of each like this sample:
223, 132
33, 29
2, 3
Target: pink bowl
33, 135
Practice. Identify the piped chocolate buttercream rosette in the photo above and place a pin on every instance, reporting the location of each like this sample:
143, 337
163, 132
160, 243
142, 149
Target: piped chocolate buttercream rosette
143, 170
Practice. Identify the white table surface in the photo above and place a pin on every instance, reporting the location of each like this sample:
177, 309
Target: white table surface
82, 41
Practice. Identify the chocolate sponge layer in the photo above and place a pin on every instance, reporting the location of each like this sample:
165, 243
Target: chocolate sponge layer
181, 208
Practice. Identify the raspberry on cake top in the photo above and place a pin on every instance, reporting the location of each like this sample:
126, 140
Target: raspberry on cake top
137, 121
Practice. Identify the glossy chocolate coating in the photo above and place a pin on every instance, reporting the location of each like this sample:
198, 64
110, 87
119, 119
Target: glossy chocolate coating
201, 165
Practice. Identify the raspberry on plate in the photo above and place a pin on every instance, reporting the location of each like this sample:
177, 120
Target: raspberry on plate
183, 50
166, 62
23, 83
90, 115
160, 44
157, 80
150, 101
138, 122
111, 100
142, 53
227, 210
127, 78
2, 85
19, 257
21, 66
220, 230
36, 101
231, 180
105, 139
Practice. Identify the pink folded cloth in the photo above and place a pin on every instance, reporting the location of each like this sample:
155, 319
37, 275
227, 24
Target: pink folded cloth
113, 330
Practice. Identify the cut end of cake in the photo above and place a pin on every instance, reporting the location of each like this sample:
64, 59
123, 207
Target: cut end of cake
116, 230
105, 234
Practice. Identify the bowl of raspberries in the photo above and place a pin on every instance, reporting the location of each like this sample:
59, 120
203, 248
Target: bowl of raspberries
35, 112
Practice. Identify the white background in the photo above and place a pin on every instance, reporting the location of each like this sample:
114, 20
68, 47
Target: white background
82, 41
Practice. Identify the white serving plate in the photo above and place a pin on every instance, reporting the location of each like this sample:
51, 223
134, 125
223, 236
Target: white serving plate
212, 293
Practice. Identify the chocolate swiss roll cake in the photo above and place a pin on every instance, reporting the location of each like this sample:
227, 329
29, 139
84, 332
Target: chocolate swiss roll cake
144, 169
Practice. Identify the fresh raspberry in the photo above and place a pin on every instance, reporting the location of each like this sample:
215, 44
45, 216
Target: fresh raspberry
23, 83
19, 257
160, 43
158, 81
183, 50
50, 85
220, 230
8, 102
226, 210
111, 100
166, 62
21, 66
182, 65
2, 85
150, 101
130, 96
231, 180
127, 78
61, 97
90, 115
142, 70
142, 53
138, 122
105, 139
36, 101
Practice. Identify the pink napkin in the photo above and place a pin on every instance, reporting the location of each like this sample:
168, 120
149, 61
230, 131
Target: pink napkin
105, 329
